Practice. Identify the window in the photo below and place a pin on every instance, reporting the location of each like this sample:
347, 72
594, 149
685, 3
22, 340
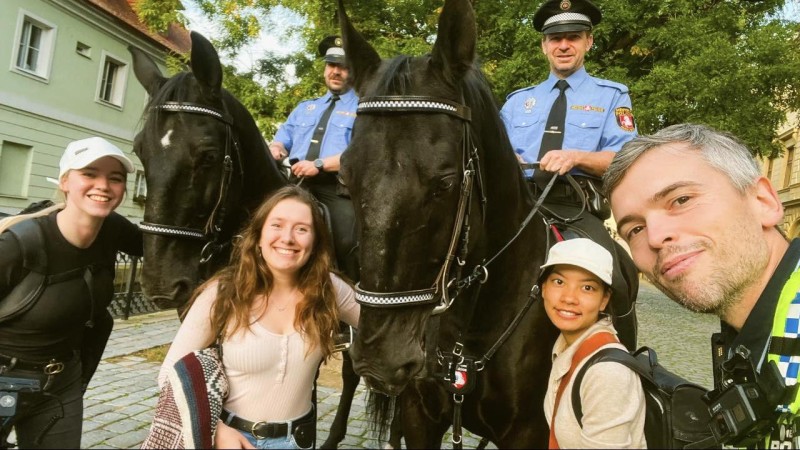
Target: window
33, 51
140, 188
787, 179
15, 169
113, 76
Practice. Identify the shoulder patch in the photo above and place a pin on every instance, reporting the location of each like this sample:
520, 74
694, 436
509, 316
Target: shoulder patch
625, 119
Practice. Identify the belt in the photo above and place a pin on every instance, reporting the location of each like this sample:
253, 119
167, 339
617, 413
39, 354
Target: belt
558, 190
264, 430
52, 367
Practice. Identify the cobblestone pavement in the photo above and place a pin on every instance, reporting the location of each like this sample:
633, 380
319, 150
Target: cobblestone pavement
121, 400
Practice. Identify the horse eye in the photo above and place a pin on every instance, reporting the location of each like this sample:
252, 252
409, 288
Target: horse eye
444, 185
207, 158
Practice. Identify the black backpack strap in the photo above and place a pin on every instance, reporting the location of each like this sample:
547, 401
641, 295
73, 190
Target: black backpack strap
607, 354
30, 236
34, 258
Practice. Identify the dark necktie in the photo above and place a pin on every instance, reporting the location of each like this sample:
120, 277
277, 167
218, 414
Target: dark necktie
553, 137
319, 132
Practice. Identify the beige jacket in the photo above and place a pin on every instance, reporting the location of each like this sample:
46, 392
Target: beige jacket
612, 399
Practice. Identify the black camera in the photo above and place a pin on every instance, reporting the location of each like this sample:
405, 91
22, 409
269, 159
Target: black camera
743, 407
9, 390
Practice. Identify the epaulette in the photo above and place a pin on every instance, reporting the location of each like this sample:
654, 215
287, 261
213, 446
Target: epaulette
521, 90
612, 84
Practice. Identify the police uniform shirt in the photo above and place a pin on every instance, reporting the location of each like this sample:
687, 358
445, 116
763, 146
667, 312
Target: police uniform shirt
295, 134
598, 118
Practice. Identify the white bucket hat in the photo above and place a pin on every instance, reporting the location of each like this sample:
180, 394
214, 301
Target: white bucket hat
80, 154
583, 253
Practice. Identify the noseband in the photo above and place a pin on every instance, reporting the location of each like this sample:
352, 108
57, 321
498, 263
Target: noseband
213, 227
444, 285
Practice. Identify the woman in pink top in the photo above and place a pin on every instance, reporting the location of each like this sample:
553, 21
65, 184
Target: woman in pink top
276, 308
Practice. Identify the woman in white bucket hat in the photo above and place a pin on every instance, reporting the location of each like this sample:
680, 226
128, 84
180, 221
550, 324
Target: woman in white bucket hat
54, 331
576, 287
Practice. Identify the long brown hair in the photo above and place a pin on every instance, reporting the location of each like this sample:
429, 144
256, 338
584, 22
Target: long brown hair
247, 277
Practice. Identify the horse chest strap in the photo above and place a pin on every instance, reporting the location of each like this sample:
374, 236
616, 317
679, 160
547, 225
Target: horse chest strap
460, 374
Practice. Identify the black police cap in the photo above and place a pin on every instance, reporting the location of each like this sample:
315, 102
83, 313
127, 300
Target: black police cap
561, 16
331, 50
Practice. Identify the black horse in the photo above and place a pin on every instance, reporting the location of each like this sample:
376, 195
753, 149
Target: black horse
449, 323
207, 169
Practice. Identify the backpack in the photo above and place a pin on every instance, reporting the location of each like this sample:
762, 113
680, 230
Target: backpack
30, 236
675, 414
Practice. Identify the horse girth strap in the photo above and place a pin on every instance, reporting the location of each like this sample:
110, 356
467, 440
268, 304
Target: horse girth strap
413, 104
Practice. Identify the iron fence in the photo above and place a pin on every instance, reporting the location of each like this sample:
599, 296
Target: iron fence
128, 297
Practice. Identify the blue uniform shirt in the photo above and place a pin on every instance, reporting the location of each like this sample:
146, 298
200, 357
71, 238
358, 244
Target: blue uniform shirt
295, 134
599, 115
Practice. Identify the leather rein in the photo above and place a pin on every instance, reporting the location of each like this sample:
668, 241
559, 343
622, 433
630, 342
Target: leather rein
211, 233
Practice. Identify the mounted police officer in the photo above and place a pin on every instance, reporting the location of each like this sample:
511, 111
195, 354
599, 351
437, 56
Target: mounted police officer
314, 137
574, 123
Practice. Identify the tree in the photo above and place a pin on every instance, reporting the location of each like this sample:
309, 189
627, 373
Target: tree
732, 64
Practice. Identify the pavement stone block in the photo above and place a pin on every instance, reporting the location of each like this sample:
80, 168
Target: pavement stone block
126, 440
94, 438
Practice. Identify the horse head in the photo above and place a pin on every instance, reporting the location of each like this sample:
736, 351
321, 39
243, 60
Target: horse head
418, 172
206, 167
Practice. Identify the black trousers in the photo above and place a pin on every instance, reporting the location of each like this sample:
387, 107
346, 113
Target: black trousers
35, 410
343, 225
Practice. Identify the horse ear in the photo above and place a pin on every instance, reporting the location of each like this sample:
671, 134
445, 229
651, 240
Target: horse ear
146, 71
454, 49
363, 60
205, 65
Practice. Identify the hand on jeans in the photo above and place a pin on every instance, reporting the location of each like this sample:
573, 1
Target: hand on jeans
227, 437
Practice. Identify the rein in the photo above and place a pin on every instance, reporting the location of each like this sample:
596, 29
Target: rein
211, 233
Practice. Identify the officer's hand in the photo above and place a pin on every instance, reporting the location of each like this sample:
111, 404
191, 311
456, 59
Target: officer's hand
304, 169
561, 161
277, 152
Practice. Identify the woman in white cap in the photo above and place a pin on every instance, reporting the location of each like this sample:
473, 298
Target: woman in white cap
576, 287
53, 329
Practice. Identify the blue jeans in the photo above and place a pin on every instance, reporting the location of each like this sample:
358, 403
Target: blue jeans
272, 443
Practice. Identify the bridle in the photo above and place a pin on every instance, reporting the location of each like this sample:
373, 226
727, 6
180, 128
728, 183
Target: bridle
445, 287
211, 233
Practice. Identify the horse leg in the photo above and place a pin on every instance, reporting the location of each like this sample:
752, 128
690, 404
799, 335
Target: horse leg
349, 384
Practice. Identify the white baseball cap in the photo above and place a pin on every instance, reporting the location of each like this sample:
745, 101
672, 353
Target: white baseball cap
583, 253
80, 154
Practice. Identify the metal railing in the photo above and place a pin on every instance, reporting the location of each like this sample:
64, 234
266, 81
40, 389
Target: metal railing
128, 298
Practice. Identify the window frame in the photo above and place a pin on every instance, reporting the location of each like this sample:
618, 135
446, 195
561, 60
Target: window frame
26, 181
46, 50
120, 82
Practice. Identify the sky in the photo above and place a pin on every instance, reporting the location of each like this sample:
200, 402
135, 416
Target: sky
275, 36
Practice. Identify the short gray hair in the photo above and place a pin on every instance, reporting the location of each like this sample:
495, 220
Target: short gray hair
720, 150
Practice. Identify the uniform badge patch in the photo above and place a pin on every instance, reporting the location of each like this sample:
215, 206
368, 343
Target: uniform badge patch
625, 119
565, 5
529, 103
311, 107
